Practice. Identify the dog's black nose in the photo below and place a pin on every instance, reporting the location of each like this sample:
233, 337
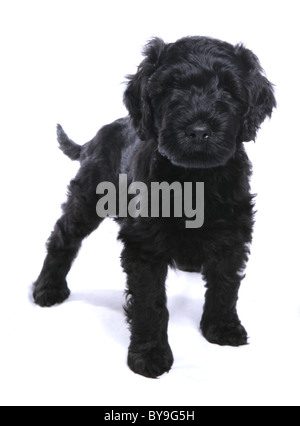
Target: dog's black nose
199, 132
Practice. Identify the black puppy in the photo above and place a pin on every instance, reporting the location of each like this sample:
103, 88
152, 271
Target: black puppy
191, 106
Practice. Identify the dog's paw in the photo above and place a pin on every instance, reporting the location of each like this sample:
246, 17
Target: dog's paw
225, 334
47, 292
152, 363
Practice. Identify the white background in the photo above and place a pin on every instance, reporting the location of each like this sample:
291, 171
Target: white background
65, 61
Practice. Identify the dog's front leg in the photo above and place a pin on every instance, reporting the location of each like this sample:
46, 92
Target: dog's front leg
149, 352
220, 323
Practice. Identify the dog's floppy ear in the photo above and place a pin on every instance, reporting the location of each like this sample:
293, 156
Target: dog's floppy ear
136, 96
260, 99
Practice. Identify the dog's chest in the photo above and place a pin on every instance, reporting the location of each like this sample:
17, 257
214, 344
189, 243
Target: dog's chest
190, 247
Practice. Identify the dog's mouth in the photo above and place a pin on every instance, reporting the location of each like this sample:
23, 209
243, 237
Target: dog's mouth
199, 162
186, 153
205, 142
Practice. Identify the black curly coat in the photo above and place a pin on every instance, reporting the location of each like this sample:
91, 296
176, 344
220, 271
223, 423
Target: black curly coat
191, 106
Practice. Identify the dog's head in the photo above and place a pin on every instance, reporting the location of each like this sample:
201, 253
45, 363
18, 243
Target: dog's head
198, 98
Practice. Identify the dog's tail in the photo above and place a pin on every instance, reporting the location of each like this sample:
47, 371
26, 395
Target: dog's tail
68, 147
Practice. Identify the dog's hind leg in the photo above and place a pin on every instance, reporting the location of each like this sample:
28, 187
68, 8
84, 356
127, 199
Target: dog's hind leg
79, 219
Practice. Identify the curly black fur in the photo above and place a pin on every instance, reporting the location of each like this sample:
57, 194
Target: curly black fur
191, 106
